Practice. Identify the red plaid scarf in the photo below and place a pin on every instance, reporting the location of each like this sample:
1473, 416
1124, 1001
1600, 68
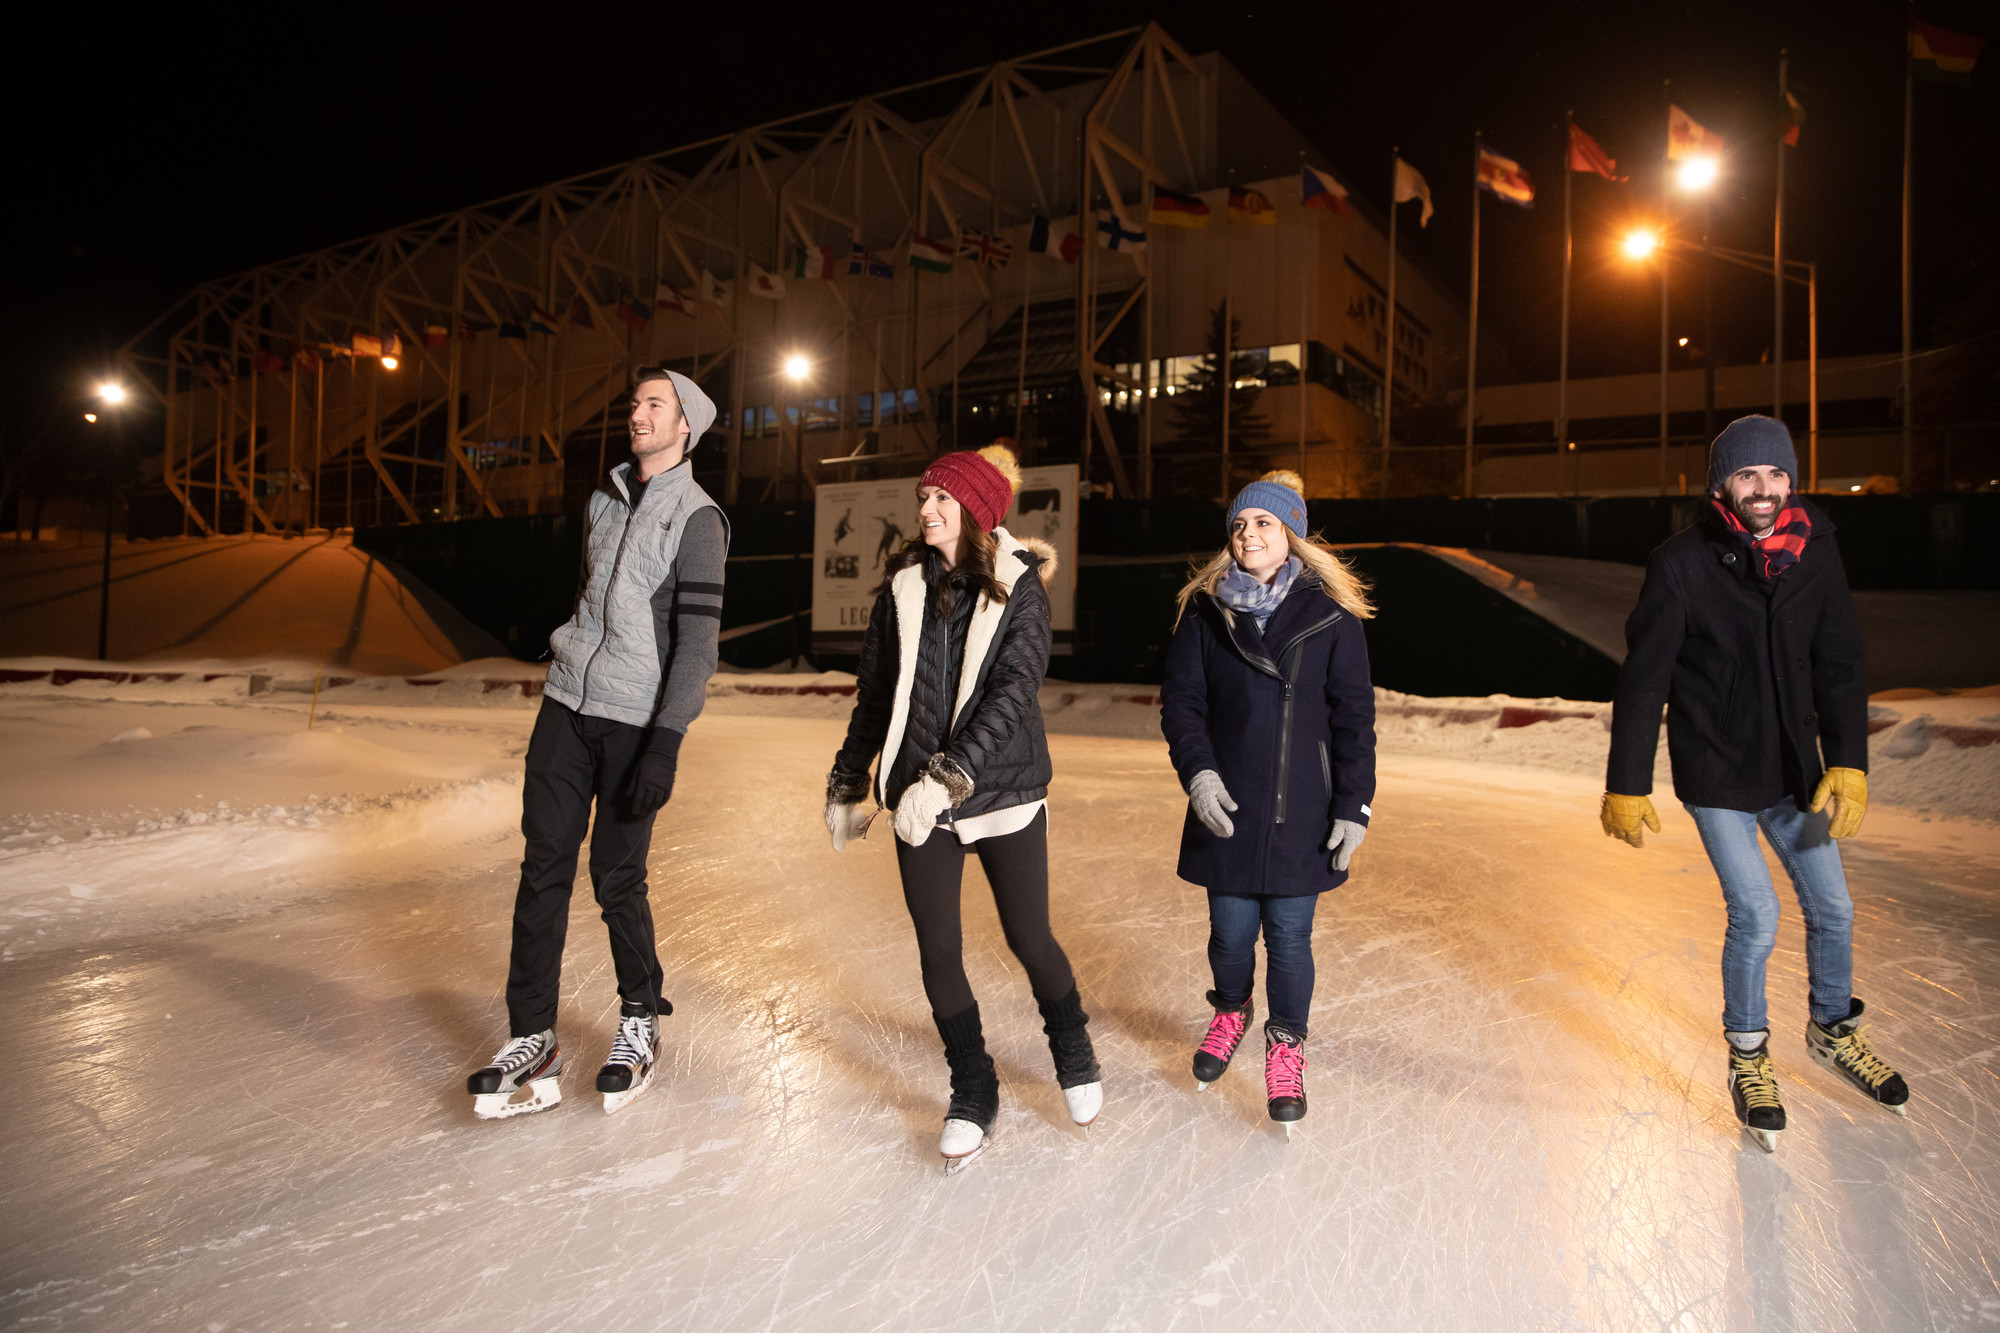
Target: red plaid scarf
1786, 542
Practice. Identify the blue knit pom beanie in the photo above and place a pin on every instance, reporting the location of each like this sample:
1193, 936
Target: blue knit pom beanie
1276, 492
1751, 441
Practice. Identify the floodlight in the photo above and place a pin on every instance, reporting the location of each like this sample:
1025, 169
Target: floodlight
1698, 173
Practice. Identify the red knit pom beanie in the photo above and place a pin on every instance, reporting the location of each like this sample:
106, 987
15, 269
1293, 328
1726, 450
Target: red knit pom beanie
983, 482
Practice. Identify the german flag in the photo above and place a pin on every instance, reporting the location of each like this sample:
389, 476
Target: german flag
1171, 208
1941, 55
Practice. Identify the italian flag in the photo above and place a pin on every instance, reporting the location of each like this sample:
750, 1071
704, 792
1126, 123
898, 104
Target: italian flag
929, 255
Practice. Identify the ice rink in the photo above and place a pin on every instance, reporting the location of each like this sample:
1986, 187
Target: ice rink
248, 1113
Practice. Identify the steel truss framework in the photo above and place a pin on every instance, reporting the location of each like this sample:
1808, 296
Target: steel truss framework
262, 408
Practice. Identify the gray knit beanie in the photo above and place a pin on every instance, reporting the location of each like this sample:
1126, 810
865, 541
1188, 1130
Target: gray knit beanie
1752, 441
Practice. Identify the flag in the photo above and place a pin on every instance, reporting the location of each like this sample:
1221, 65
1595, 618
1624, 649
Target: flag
436, 335
1319, 190
1587, 155
672, 298
468, 327
1055, 238
540, 320
812, 261
365, 344
1410, 184
1113, 234
1503, 178
1171, 208
392, 344
334, 351
579, 313
862, 262
765, 284
1793, 117
509, 329
929, 255
713, 289
1688, 137
984, 249
1943, 56
304, 357
267, 363
1247, 205
633, 313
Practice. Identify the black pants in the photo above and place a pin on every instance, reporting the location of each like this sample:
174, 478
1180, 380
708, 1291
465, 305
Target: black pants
571, 760
1017, 866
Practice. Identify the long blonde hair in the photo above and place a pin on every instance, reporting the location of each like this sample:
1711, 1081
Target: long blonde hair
1336, 577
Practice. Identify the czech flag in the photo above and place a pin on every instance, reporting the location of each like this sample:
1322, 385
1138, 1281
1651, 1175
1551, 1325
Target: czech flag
1502, 176
1171, 208
1319, 190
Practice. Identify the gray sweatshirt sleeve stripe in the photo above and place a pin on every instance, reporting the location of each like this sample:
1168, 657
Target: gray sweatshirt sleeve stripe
688, 620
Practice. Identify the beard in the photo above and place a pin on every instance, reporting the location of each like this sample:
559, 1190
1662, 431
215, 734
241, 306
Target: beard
1749, 520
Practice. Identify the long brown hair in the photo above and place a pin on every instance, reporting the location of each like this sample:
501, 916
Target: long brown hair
1336, 577
980, 553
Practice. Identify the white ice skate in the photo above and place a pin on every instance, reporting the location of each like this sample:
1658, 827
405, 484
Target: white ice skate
960, 1142
528, 1065
634, 1058
1084, 1100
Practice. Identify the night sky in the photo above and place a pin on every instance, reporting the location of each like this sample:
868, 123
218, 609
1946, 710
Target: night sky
153, 151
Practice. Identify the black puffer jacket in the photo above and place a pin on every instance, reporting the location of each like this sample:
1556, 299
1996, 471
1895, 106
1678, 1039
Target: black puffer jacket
966, 689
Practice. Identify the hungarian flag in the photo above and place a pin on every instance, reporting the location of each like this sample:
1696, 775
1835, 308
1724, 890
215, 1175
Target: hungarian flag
1941, 55
1055, 238
1503, 178
929, 255
767, 285
436, 335
1247, 205
813, 261
1113, 234
1794, 116
669, 298
1587, 155
864, 263
1171, 208
365, 344
981, 248
1688, 137
1410, 184
1319, 190
540, 320
579, 313
632, 312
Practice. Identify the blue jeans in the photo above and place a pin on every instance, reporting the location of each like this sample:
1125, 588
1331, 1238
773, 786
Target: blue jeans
1287, 924
1812, 859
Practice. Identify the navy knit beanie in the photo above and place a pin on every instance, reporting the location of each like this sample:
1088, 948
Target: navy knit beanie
1752, 441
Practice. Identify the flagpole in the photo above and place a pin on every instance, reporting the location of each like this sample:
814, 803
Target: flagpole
1778, 266
1472, 329
1389, 358
1562, 362
1906, 480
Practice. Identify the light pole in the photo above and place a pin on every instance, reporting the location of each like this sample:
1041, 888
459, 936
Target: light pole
1639, 246
1698, 176
798, 369
113, 395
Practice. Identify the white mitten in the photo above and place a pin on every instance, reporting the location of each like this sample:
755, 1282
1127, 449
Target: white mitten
847, 823
943, 786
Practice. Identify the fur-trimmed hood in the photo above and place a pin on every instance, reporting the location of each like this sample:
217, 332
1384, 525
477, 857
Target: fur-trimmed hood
1044, 554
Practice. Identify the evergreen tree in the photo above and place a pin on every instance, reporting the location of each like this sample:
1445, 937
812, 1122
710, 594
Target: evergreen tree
1198, 404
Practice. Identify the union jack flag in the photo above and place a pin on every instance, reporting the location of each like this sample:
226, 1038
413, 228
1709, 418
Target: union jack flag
984, 249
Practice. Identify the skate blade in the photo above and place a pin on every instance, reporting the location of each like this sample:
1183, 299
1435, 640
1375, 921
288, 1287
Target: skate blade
543, 1094
954, 1165
1767, 1139
614, 1102
1201, 1086
1901, 1108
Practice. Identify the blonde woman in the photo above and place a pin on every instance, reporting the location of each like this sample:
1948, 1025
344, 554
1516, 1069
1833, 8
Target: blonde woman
1269, 716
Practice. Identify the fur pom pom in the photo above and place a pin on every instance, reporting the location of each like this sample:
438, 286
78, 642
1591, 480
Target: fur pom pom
1284, 477
1003, 460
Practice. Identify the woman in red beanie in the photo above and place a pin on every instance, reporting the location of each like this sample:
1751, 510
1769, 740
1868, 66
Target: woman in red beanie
957, 644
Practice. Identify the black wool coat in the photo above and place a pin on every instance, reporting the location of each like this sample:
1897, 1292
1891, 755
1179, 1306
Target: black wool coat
968, 688
1762, 681
1286, 718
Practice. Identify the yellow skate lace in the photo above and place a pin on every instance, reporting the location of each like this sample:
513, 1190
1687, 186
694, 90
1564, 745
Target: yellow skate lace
1853, 1052
1753, 1075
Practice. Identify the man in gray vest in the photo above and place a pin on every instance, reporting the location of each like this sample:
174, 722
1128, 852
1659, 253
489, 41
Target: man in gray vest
629, 673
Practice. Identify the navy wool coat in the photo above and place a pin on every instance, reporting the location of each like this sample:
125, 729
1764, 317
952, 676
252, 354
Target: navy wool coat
1287, 718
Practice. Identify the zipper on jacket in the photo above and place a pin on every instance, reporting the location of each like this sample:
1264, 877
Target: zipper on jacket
1326, 770
1285, 752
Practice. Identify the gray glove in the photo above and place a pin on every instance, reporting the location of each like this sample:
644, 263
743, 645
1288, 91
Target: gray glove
1347, 836
1210, 798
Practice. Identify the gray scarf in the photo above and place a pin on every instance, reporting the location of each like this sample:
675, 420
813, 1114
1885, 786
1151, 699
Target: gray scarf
1244, 594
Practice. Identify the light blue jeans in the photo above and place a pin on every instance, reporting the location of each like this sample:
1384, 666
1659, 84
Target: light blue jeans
1812, 859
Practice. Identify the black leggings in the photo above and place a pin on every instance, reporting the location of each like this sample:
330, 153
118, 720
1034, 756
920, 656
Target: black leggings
1017, 866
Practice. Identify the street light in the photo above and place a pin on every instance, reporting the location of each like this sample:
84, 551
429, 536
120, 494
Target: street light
1698, 173
113, 395
1640, 244
797, 368
388, 363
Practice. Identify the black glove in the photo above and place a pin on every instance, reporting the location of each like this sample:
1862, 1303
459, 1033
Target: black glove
653, 776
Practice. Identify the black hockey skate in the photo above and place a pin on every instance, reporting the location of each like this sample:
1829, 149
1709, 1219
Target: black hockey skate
1753, 1086
1285, 1074
635, 1055
530, 1064
1218, 1047
1844, 1049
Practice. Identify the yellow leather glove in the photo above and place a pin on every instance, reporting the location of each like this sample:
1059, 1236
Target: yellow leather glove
1622, 816
1847, 788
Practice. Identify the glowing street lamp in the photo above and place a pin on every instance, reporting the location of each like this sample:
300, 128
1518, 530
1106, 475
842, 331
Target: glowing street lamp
1698, 173
111, 393
797, 368
388, 363
1640, 244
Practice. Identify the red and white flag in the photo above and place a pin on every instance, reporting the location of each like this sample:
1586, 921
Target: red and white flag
1688, 137
1587, 155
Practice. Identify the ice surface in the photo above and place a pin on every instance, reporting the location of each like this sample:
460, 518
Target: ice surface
246, 1110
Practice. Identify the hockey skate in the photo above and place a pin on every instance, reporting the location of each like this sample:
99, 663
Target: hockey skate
1285, 1075
1077, 1072
1844, 1049
1225, 1034
1753, 1086
525, 1064
635, 1056
975, 1091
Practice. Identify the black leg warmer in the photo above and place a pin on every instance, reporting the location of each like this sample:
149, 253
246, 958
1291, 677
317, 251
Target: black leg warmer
975, 1087
1069, 1040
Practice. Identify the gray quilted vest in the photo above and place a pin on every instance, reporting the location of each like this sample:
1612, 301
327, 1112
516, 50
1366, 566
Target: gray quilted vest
609, 659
